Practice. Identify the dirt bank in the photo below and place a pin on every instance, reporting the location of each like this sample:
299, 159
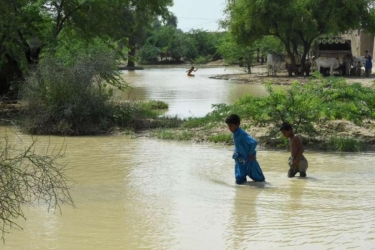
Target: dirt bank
259, 76
218, 133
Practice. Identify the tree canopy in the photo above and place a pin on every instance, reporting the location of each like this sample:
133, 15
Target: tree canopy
29, 28
296, 22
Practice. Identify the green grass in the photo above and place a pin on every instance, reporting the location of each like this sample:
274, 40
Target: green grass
142, 115
153, 105
344, 144
225, 138
173, 135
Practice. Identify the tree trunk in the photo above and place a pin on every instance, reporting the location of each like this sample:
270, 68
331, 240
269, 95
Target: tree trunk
293, 60
10, 73
249, 61
32, 55
305, 67
131, 53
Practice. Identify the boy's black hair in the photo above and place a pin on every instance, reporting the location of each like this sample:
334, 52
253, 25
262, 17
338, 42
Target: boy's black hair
233, 119
286, 126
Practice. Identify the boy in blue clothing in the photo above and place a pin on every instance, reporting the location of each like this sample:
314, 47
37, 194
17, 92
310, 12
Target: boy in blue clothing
244, 153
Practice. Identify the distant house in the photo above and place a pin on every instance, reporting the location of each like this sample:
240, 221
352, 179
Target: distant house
360, 41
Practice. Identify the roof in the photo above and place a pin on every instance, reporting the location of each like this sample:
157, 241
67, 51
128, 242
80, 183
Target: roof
334, 44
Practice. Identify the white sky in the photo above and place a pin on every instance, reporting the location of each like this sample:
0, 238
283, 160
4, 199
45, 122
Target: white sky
198, 14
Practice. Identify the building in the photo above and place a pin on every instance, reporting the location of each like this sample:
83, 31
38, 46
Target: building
360, 42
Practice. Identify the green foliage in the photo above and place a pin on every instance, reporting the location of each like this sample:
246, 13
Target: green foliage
173, 135
148, 54
30, 30
295, 22
28, 178
234, 52
70, 99
224, 138
154, 105
219, 112
128, 114
269, 44
68, 49
203, 59
306, 106
142, 115
167, 43
343, 144
206, 43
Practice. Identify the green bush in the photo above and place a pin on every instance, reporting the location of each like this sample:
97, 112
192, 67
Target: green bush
225, 138
307, 106
343, 144
70, 99
173, 135
203, 59
148, 54
143, 115
154, 105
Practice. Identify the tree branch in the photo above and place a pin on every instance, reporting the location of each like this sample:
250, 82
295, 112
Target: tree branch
60, 27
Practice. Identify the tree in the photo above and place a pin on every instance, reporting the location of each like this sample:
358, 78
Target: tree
233, 52
295, 22
140, 16
29, 28
206, 42
27, 177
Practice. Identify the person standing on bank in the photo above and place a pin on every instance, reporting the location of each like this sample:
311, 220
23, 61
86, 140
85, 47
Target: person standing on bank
368, 64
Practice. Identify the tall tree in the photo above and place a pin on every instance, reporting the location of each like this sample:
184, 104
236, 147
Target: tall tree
29, 27
233, 52
296, 21
141, 16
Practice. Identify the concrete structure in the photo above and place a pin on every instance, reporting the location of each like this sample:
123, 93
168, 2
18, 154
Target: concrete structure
360, 41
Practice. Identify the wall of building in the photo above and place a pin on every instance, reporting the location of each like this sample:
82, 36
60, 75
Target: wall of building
367, 43
360, 42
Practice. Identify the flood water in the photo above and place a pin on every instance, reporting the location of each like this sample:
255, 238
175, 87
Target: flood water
187, 96
141, 193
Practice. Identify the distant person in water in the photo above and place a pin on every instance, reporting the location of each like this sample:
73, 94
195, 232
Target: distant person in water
368, 64
297, 162
190, 71
244, 154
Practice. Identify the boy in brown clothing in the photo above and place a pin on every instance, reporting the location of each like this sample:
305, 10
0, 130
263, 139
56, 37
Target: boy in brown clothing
297, 162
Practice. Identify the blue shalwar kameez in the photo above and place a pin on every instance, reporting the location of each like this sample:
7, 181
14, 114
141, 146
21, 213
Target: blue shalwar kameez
368, 65
244, 146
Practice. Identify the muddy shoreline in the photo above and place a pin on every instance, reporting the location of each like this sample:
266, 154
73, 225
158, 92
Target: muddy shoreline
259, 76
337, 128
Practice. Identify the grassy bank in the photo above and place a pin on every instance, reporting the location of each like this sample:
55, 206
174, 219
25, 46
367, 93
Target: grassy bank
328, 113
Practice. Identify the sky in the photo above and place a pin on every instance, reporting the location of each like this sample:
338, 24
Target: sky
198, 14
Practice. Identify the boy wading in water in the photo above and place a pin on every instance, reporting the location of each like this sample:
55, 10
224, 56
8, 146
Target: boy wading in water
189, 71
297, 162
244, 153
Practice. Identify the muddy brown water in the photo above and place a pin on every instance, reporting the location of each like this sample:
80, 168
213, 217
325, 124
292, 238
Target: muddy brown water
140, 193
187, 96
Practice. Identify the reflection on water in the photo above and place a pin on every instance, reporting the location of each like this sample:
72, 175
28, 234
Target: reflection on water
187, 96
150, 194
